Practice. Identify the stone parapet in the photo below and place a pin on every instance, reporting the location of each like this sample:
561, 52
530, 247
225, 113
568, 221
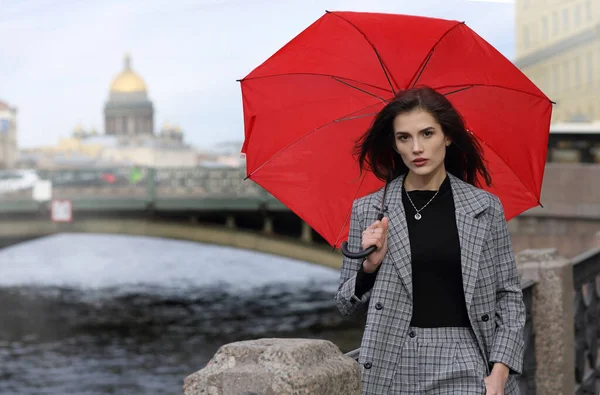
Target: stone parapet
553, 319
277, 366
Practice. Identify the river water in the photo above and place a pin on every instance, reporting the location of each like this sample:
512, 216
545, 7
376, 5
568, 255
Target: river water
105, 314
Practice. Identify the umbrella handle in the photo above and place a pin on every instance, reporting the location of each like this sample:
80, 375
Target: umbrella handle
370, 250
356, 255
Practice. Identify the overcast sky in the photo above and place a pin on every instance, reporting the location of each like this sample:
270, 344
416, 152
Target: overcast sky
58, 57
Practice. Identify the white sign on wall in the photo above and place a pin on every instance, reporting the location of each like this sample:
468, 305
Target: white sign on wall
61, 211
42, 190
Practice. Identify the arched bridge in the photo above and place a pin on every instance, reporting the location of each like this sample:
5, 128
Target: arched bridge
204, 205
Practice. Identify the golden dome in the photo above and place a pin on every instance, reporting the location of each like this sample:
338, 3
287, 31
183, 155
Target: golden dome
128, 81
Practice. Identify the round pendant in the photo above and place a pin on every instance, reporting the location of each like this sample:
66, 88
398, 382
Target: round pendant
417, 216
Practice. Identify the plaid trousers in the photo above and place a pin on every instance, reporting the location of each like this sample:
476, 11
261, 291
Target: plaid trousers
439, 361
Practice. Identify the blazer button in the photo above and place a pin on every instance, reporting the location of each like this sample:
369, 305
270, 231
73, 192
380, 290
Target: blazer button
367, 365
412, 334
485, 318
378, 306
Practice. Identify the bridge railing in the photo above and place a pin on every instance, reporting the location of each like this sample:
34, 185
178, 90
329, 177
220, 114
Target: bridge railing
115, 188
198, 181
106, 183
204, 181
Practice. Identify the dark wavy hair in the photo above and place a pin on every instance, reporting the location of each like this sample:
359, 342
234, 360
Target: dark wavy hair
464, 156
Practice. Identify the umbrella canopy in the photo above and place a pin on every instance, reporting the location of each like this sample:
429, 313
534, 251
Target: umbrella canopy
305, 107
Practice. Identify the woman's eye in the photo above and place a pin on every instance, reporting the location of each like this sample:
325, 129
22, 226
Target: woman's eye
402, 138
427, 133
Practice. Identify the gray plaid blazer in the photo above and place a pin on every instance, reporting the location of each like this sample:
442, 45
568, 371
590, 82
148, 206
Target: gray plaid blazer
490, 279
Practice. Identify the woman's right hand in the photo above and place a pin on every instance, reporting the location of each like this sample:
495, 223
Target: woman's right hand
375, 235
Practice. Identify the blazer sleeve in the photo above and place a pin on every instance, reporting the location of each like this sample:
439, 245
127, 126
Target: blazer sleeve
346, 303
509, 344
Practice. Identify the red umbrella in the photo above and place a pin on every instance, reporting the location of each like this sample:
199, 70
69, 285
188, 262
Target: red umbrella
305, 107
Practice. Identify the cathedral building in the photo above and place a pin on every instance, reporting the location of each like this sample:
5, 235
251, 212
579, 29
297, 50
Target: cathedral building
128, 111
128, 139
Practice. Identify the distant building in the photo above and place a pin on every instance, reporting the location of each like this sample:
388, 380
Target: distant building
128, 111
128, 138
171, 135
164, 150
574, 142
82, 150
558, 48
9, 151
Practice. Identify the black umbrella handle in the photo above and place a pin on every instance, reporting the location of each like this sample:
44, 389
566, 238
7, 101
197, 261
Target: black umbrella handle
356, 255
370, 250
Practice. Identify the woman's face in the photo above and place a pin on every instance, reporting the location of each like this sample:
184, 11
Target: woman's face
420, 141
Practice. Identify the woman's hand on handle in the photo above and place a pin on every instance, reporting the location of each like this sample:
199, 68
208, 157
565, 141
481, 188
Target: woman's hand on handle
375, 235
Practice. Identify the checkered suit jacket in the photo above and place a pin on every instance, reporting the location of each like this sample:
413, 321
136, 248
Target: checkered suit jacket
490, 279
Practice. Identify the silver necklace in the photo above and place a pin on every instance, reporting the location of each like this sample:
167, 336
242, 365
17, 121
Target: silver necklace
418, 214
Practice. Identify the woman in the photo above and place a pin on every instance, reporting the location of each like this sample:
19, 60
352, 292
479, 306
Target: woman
445, 310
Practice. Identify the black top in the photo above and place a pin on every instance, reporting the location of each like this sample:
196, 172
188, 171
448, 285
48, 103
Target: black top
438, 295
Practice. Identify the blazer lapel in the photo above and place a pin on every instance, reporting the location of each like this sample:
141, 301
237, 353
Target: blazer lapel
398, 242
469, 203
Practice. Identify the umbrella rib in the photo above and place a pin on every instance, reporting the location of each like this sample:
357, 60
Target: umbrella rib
318, 75
458, 90
511, 169
490, 86
306, 135
387, 76
488, 145
361, 90
430, 54
354, 117
423, 67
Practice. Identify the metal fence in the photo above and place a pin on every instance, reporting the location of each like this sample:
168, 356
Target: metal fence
586, 292
131, 182
205, 182
527, 379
